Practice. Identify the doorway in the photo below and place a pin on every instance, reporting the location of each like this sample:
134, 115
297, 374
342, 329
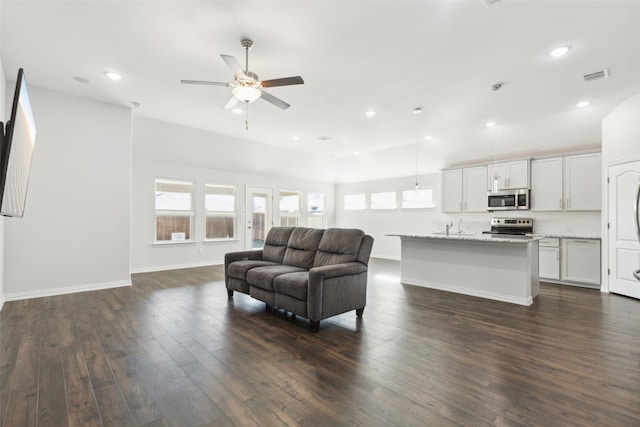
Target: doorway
624, 228
260, 217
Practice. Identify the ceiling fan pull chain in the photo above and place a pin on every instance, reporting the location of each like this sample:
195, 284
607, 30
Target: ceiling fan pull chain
246, 116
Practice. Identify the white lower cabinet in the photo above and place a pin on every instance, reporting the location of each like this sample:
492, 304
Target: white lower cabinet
581, 261
549, 258
570, 261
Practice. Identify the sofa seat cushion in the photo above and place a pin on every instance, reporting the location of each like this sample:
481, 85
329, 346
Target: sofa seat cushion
293, 284
262, 277
239, 269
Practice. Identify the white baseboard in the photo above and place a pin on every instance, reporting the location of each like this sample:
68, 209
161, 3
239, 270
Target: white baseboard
176, 266
392, 258
469, 291
67, 290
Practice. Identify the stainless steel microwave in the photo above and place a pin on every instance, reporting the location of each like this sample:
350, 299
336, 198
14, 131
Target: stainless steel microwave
508, 200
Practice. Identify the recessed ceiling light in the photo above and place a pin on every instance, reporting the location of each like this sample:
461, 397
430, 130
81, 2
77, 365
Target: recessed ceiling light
490, 124
370, 113
428, 137
113, 75
356, 153
295, 138
559, 51
81, 80
583, 104
237, 110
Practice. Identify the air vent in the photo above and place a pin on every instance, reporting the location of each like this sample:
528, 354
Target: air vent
597, 75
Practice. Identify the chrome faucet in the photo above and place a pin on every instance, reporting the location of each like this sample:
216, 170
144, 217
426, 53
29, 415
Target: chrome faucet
447, 227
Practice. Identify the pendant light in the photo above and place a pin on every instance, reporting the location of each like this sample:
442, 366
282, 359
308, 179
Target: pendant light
416, 112
494, 179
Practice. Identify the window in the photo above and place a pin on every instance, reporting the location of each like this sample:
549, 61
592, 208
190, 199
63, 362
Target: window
174, 210
315, 210
290, 214
354, 202
417, 199
220, 211
386, 200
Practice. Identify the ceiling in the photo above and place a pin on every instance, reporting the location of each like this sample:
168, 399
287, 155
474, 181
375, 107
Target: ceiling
389, 56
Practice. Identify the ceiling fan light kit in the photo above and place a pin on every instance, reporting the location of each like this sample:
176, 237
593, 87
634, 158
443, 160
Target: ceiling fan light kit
246, 86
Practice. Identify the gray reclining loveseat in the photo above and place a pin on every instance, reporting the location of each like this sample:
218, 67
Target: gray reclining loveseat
313, 273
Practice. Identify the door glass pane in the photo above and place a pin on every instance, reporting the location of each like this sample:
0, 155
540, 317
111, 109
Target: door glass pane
259, 206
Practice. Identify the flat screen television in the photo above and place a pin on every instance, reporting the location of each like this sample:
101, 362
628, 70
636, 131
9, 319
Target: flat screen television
18, 141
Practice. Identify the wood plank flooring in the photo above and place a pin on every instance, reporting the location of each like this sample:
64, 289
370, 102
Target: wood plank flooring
172, 350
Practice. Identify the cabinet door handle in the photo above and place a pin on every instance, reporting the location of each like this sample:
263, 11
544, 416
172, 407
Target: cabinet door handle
560, 204
568, 203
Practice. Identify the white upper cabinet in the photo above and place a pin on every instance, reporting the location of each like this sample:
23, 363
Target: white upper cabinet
571, 183
463, 190
474, 196
546, 184
452, 190
583, 182
510, 175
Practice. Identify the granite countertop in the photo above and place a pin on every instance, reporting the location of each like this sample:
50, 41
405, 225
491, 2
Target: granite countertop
472, 237
569, 235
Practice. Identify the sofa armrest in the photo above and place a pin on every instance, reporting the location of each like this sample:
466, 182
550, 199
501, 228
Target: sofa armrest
335, 289
318, 274
238, 256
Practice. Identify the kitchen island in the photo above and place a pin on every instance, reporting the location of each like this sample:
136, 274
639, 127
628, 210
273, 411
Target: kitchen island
498, 268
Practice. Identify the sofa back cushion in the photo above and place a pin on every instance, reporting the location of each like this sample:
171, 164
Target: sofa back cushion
338, 245
302, 246
275, 244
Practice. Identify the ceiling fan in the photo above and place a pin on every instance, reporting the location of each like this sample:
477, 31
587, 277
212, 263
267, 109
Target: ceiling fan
247, 87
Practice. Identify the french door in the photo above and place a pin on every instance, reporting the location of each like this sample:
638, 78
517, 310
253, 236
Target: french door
624, 229
259, 217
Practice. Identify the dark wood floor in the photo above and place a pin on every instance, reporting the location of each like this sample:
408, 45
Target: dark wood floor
173, 351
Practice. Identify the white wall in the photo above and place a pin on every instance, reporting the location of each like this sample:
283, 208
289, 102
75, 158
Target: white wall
163, 150
424, 221
621, 131
3, 119
75, 233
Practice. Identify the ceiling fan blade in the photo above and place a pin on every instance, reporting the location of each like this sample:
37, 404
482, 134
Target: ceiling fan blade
231, 103
275, 101
233, 63
285, 81
202, 82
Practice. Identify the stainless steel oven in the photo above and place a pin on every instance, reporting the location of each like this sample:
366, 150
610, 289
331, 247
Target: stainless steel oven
508, 200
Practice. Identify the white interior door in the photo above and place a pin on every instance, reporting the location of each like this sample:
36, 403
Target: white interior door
260, 216
623, 238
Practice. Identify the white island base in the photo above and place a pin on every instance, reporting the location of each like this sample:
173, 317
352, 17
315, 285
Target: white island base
498, 269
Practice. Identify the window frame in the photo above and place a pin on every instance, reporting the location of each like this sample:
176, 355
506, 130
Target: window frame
390, 208
402, 199
290, 215
176, 213
316, 213
222, 214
